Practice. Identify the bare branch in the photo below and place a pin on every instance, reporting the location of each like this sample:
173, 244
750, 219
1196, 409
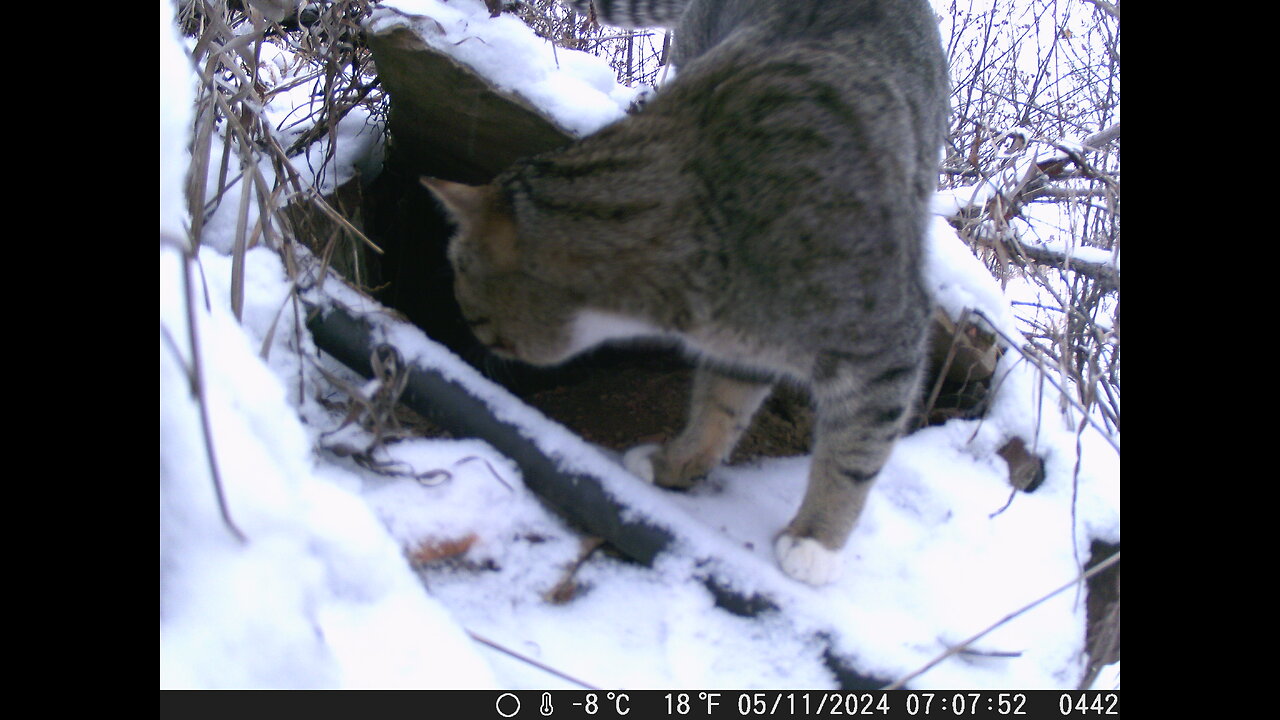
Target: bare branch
1106, 7
1100, 139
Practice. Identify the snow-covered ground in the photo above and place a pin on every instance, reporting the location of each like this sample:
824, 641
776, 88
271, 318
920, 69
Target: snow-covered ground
320, 593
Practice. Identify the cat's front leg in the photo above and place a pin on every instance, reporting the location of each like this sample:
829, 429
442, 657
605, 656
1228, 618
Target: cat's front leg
720, 410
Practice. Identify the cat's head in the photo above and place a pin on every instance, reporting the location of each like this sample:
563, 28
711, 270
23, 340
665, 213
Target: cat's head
507, 298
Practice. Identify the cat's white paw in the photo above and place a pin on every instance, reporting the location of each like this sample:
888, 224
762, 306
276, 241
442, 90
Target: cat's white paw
806, 560
639, 461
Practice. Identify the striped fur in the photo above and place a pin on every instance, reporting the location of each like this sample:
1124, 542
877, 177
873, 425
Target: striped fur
766, 210
634, 13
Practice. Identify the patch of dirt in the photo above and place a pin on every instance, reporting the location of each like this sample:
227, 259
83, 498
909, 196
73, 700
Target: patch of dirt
1103, 634
644, 399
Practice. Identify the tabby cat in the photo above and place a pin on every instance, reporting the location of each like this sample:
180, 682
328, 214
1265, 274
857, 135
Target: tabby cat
766, 211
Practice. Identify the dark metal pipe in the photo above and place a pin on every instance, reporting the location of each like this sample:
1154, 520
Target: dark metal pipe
581, 499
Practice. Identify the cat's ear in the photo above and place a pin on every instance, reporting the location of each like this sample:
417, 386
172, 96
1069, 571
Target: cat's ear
464, 203
481, 215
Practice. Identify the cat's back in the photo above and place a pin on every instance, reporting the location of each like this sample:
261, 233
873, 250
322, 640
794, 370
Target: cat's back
901, 34
886, 51
776, 104
814, 137
776, 189
807, 115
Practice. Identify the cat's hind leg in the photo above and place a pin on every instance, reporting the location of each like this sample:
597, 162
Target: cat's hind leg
860, 412
720, 410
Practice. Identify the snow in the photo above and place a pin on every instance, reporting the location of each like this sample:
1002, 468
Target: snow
574, 88
320, 594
